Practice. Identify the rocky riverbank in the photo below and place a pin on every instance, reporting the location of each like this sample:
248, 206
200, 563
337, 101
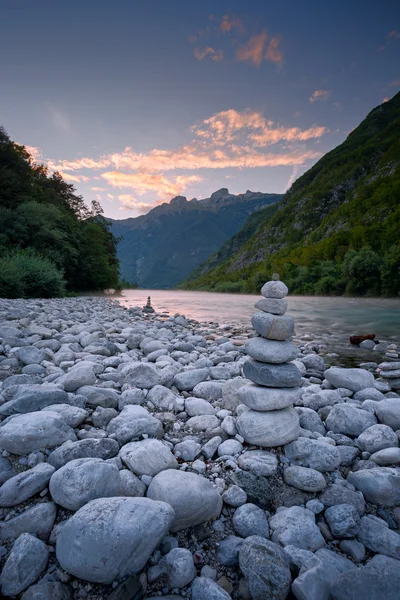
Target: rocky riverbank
124, 474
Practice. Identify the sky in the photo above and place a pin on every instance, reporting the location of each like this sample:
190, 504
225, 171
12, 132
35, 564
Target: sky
137, 102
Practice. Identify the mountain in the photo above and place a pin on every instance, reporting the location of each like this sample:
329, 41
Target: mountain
161, 248
335, 231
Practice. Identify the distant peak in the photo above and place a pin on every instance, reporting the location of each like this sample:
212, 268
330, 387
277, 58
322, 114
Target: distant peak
220, 194
178, 200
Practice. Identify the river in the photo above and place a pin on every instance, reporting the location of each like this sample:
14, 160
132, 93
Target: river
332, 319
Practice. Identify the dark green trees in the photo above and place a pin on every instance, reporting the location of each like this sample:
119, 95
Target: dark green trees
43, 219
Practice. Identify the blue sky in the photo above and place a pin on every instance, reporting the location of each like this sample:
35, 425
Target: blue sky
136, 102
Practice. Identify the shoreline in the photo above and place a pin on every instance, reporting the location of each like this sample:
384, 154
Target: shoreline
90, 380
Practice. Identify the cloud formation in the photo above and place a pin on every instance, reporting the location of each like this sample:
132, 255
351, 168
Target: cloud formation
256, 50
394, 34
215, 55
227, 139
319, 95
229, 23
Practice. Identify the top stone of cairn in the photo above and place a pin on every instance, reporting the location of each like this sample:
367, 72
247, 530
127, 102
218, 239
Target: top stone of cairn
274, 289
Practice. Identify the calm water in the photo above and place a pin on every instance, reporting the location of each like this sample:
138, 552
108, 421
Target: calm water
331, 319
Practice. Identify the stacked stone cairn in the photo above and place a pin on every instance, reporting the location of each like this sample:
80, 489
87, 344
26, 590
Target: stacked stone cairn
148, 308
270, 419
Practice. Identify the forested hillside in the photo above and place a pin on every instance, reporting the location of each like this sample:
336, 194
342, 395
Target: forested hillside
50, 242
336, 231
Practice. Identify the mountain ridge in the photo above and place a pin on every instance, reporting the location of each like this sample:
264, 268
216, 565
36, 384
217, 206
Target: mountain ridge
161, 248
347, 203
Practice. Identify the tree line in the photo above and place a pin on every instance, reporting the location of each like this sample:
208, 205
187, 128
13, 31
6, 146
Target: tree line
51, 243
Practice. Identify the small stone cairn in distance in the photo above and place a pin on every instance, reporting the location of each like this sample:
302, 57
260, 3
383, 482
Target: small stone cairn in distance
271, 420
148, 308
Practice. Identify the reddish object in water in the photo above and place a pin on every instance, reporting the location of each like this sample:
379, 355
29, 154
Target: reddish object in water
357, 339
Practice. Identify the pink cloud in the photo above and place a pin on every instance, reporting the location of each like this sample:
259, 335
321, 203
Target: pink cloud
274, 53
35, 152
148, 182
319, 95
228, 23
253, 50
98, 189
215, 55
394, 34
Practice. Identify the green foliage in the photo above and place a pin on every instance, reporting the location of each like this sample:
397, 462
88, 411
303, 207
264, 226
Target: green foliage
42, 213
25, 274
336, 231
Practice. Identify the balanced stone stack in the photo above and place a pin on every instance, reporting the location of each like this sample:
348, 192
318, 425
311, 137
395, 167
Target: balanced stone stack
271, 420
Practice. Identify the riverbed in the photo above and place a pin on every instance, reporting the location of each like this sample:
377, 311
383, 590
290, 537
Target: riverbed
332, 319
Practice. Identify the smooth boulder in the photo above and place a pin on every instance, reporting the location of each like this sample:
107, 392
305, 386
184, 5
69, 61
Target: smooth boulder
111, 538
148, 457
269, 429
264, 399
192, 497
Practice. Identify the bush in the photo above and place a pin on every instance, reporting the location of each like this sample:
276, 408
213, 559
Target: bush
25, 274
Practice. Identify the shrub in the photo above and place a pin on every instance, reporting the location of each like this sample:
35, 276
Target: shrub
25, 274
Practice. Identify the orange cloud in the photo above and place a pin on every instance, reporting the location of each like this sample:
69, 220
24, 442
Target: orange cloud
253, 50
228, 23
147, 182
386, 99
319, 95
34, 151
215, 55
76, 165
73, 178
274, 53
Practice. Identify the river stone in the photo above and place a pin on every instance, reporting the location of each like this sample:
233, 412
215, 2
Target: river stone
71, 415
82, 480
266, 569
302, 478
198, 406
269, 429
258, 489
273, 327
23, 486
234, 496
270, 351
27, 561
276, 376
339, 494
313, 454
148, 457
388, 412
192, 497
162, 398
379, 579
266, 399
275, 306
228, 550
249, 519
376, 537
30, 355
97, 396
202, 423
31, 398
111, 538
131, 485
380, 486
259, 462
310, 420
187, 450
349, 420
133, 422
274, 289
377, 438
351, 379
343, 520
78, 377
22, 434
386, 457
187, 380
89, 448
48, 590
204, 588
37, 520
296, 526
6, 470
141, 375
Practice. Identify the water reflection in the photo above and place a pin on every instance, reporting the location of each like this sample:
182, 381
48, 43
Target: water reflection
332, 319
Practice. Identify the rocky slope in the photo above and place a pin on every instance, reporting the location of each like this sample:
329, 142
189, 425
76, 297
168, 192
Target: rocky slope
160, 249
123, 474
335, 230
